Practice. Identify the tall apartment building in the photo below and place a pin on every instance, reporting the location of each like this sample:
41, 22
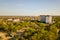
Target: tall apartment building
46, 18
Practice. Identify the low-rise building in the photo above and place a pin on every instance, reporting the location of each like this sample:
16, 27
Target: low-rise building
16, 20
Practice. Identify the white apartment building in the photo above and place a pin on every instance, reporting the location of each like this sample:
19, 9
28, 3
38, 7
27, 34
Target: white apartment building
46, 18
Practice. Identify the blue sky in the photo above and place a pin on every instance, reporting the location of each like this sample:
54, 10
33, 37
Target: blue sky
29, 7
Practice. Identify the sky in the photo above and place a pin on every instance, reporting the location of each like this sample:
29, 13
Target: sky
29, 7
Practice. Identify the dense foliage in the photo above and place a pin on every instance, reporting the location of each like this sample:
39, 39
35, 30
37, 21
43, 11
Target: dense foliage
33, 30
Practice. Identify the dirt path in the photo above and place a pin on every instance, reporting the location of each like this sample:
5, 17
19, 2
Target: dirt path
2, 36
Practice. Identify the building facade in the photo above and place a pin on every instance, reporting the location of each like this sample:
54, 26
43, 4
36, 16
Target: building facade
46, 18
